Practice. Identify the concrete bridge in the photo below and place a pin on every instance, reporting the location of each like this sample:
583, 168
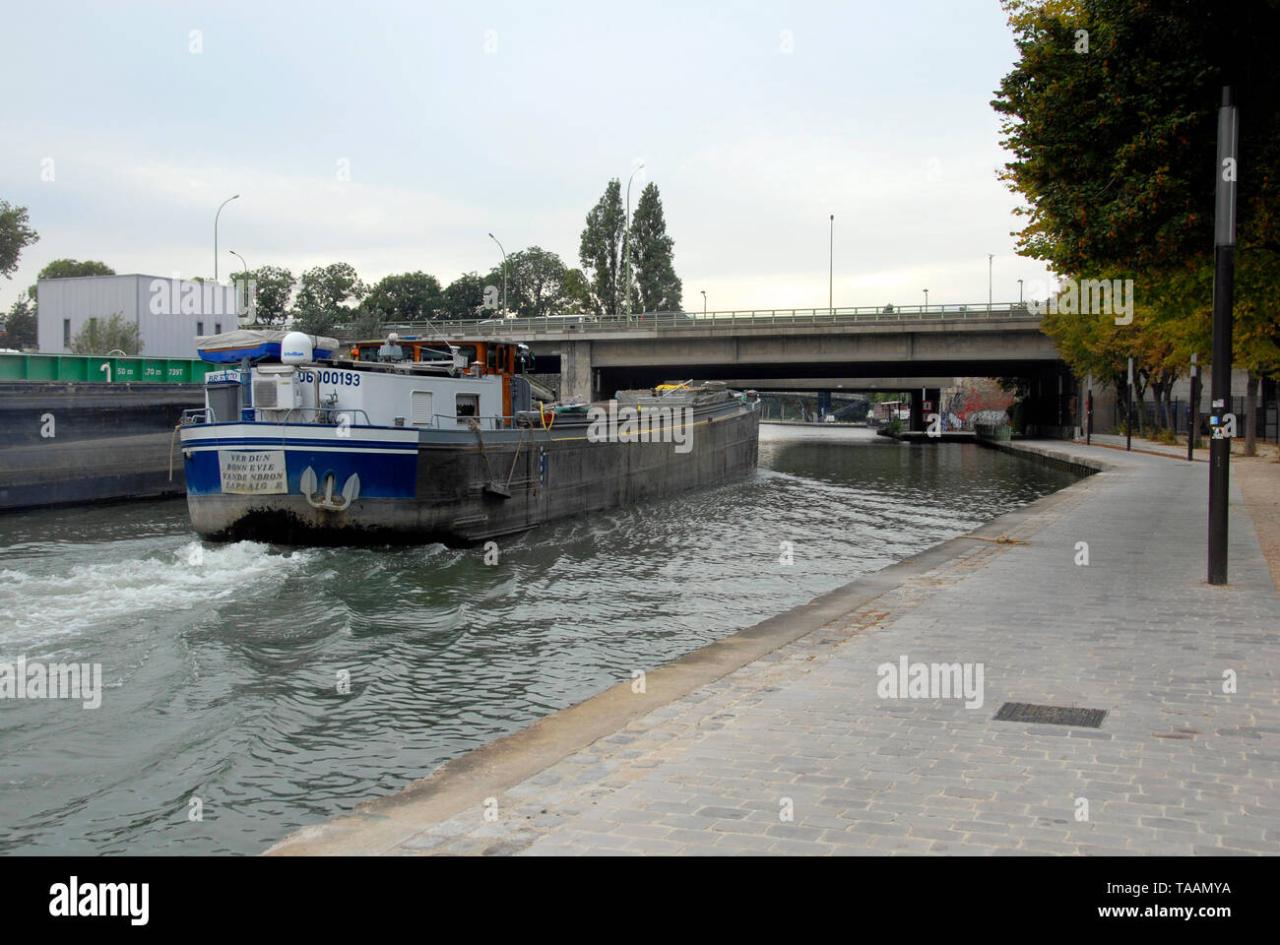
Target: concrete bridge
869, 348
595, 354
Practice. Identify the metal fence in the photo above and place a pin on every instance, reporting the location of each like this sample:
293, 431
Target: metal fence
102, 369
1268, 416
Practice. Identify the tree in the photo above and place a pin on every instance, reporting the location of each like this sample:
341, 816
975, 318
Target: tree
464, 296
273, 287
102, 336
15, 236
406, 297
327, 296
1110, 116
74, 269
577, 292
20, 324
535, 282
600, 250
656, 286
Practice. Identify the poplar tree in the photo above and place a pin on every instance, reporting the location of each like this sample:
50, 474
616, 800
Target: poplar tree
600, 250
656, 286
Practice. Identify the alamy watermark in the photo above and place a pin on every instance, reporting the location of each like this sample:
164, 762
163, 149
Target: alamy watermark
36, 680
188, 297
76, 899
907, 680
650, 424
1113, 297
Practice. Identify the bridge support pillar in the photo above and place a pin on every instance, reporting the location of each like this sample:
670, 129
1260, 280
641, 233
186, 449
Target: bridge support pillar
576, 376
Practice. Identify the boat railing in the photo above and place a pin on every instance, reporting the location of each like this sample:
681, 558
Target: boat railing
328, 416
197, 415
448, 421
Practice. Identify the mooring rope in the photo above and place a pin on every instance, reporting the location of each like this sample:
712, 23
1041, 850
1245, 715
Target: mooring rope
172, 440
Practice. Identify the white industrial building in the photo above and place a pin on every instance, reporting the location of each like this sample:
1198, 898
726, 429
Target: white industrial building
169, 313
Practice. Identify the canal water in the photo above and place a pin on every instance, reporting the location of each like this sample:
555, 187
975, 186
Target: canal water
251, 689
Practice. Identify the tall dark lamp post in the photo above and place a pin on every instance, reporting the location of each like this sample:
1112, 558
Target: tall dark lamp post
1224, 255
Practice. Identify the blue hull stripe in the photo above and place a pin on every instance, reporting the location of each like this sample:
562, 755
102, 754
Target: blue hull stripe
382, 475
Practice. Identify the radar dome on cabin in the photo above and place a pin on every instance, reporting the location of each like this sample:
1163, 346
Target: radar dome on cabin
296, 348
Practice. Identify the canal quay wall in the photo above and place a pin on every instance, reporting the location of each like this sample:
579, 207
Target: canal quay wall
784, 739
69, 443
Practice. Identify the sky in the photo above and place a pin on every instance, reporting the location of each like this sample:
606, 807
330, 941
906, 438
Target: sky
397, 136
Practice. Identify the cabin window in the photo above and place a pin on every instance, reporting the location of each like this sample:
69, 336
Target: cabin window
199, 328
420, 402
66, 333
491, 358
217, 328
468, 405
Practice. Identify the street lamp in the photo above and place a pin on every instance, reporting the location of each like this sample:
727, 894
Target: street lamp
215, 234
990, 258
504, 274
248, 296
1019, 291
831, 267
926, 300
704, 301
626, 246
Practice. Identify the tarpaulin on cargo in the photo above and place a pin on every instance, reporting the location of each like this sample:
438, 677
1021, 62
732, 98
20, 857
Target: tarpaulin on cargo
256, 344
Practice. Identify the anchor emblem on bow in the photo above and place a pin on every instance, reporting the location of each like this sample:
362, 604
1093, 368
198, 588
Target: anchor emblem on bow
326, 500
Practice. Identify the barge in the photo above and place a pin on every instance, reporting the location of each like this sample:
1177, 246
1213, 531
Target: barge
306, 441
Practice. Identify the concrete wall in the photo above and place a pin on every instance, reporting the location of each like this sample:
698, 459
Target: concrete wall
79, 443
169, 313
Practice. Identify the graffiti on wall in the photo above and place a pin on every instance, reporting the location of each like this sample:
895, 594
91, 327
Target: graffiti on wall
977, 400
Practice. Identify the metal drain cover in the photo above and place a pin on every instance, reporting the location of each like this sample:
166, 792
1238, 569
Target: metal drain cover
1050, 714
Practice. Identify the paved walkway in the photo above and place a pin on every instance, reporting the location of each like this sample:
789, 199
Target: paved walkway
796, 752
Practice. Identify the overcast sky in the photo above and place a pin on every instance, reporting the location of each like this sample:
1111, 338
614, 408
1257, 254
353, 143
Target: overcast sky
395, 136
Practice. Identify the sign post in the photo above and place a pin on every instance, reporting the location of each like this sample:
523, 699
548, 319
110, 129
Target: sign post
1088, 411
1128, 409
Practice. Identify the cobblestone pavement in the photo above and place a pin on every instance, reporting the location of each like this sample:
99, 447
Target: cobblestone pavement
797, 753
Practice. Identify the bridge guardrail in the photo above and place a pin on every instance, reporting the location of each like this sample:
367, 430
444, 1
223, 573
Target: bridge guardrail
713, 321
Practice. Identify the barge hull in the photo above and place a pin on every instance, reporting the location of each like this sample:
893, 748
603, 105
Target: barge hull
468, 488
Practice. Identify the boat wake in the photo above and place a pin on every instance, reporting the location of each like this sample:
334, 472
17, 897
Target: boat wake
47, 609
